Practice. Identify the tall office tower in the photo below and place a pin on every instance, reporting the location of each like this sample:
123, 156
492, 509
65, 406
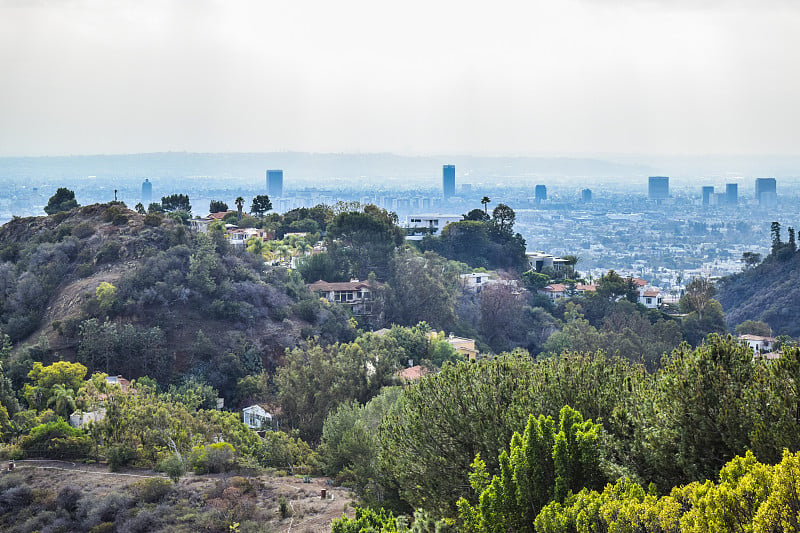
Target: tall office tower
275, 183
147, 193
540, 193
449, 180
586, 195
708, 193
766, 191
732, 193
658, 187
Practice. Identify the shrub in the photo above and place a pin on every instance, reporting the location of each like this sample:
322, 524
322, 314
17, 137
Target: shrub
15, 498
213, 458
153, 220
56, 440
108, 252
152, 490
283, 508
119, 456
83, 230
173, 466
68, 497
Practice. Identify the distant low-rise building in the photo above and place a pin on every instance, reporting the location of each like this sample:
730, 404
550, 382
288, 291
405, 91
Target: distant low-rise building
256, 417
358, 295
539, 261
417, 226
759, 344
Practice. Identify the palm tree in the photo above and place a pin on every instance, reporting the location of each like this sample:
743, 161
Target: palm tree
571, 261
239, 204
63, 400
485, 201
256, 245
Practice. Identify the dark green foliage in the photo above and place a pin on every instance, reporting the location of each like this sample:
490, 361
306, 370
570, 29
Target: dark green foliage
261, 204
62, 200
108, 253
364, 241
128, 349
120, 456
421, 288
480, 244
477, 215
470, 408
56, 440
176, 202
315, 379
767, 292
152, 220
217, 206
320, 266
83, 230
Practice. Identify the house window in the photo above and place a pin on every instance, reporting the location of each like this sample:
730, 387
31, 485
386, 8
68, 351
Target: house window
649, 301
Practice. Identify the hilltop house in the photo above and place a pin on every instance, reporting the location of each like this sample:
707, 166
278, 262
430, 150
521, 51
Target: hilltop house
256, 417
358, 295
417, 226
758, 343
476, 281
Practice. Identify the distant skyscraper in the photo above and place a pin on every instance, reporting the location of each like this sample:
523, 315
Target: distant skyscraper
766, 191
586, 195
449, 180
275, 183
708, 193
732, 193
147, 193
658, 187
540, 193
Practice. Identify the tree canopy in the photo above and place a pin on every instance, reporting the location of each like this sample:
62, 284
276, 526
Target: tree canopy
62, 200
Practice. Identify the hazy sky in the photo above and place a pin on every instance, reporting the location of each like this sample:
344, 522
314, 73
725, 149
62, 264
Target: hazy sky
414, 77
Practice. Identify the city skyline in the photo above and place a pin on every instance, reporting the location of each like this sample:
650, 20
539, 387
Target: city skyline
534, 78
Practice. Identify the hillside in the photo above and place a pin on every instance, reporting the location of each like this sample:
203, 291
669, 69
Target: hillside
61, 496
176, 303
769, 292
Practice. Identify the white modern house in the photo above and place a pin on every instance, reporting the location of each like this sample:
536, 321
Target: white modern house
256, 417
417, 226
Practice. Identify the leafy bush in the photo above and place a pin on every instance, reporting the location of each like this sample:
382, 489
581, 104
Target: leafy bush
152, 490
213, 458
119, 456
56, 440
153, 220
68, 497
108, 252
173, 466
83, 230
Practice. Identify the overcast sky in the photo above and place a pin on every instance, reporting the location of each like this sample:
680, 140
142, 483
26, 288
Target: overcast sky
532, 77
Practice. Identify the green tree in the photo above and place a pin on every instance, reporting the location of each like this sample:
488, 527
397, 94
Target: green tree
775, 231
176, 202
476, 215
750, 259
239, 205
62, 400
315, 379
65, 375
260, 205
364, 242
754, 327
139, 208
62, 200
217, 206
485, 201
421, 288
503, 217
541, 465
